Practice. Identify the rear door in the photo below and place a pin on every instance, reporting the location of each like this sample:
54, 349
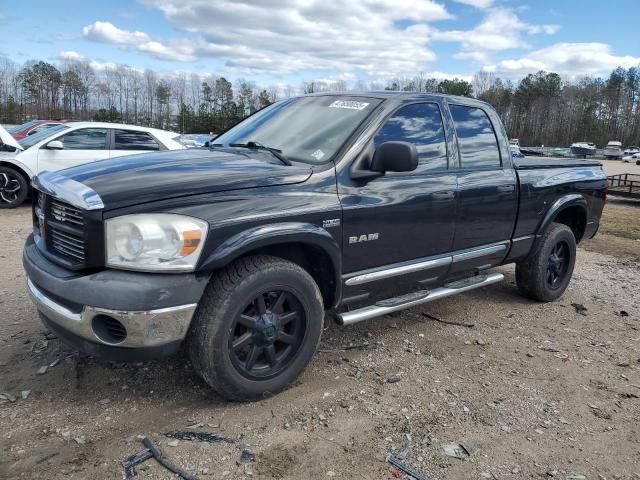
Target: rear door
81, 146
487, 196
130, 142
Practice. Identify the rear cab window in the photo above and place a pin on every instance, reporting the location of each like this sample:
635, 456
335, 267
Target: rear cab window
477, 140
134, 140
419, 124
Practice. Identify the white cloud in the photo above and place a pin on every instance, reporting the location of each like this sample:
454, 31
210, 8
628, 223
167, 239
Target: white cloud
69, 55
501, 29
107, 32
281, 37
568, 59
476, 3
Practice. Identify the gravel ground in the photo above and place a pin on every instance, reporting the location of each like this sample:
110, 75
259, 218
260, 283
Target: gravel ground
531, 390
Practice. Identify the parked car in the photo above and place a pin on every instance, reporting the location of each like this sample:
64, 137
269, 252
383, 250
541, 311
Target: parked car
68, 145
358, 205
631, 158
32, 127
631, 150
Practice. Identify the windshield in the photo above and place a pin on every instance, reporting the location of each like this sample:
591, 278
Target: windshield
31, 140
22, 126
305, 129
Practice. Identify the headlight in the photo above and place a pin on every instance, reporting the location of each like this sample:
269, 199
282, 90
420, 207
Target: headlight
154, 242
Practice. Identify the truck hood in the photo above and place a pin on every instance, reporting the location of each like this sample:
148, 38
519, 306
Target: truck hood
137, 179
7, 139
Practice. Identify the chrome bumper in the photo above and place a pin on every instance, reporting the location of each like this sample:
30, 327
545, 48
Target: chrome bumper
147, 328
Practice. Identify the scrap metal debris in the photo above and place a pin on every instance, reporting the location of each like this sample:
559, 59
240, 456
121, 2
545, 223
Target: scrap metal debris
405, 468
136, 459
199, 437
246, 455
458, 450
151, 451
448, 322
165, 462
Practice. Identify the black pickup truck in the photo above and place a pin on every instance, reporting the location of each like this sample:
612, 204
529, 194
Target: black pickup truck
355, 205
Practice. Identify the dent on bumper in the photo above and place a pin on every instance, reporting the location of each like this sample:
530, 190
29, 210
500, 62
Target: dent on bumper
145, 328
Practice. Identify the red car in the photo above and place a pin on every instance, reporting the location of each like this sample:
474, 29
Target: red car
32, 126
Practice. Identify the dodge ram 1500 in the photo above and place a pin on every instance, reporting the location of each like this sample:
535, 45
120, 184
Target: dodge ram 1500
353, 205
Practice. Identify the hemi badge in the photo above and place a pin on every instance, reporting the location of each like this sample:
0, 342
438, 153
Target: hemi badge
333, 222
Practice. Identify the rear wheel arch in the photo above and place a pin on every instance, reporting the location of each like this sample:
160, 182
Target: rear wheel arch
570, 210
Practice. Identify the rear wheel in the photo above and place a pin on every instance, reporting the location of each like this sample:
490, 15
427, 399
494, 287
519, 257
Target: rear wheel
545, 274
256, 328
13, 188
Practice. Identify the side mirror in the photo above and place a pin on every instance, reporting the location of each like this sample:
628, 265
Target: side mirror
55, 145
395, 157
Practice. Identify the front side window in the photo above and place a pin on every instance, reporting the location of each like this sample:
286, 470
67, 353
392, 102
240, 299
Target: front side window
30, 141
305, 129
420, 124
134, 140
85, 139
476, 138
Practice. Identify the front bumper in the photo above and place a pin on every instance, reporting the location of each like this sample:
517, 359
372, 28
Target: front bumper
153, 310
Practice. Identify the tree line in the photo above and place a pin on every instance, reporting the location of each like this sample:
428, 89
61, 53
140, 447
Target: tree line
540, 109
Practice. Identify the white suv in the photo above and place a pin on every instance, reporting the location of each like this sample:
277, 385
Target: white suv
70, 144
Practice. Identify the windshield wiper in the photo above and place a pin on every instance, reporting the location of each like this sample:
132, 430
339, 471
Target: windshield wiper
259, 146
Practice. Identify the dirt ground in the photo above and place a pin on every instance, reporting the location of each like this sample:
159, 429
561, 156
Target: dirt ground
531, 390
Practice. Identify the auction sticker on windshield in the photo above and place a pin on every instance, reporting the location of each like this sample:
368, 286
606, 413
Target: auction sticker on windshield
349, 105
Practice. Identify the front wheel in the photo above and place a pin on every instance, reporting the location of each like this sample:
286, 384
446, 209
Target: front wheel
256, 328
545, 274
13, 188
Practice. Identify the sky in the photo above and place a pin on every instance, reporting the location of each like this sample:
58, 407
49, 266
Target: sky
291, 41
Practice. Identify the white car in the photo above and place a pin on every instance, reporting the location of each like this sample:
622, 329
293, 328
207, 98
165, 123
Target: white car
70, 144
632, 158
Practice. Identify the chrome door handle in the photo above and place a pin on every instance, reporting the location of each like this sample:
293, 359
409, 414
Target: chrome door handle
506, 188
444, 195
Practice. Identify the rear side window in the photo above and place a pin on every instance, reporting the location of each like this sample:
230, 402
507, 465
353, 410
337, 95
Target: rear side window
86, 139
420, 124
476, 138
132, 140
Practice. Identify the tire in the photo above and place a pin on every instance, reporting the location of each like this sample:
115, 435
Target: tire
546, 272
13, 188
242, 354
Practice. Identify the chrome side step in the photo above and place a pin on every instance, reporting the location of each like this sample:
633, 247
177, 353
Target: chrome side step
411, 300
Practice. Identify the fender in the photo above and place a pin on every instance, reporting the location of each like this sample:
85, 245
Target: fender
574, 199
273, 234
19, 165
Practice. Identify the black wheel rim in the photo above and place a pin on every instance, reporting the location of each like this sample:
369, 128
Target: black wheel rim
9, 188
558, 265
267, 334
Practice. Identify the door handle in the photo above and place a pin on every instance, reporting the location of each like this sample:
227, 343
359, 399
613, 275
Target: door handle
443, 195
506, 188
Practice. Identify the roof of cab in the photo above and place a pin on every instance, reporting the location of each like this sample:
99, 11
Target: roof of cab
394, 94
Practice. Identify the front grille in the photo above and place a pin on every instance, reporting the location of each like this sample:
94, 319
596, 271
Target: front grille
62, 228
67, 243
66, 213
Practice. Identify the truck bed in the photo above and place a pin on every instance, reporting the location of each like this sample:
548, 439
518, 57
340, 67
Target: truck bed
550, 162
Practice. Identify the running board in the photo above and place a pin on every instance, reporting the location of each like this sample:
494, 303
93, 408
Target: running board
411, 300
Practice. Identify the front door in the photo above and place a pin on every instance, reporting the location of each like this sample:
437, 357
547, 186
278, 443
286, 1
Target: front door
81, 146
398, 219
